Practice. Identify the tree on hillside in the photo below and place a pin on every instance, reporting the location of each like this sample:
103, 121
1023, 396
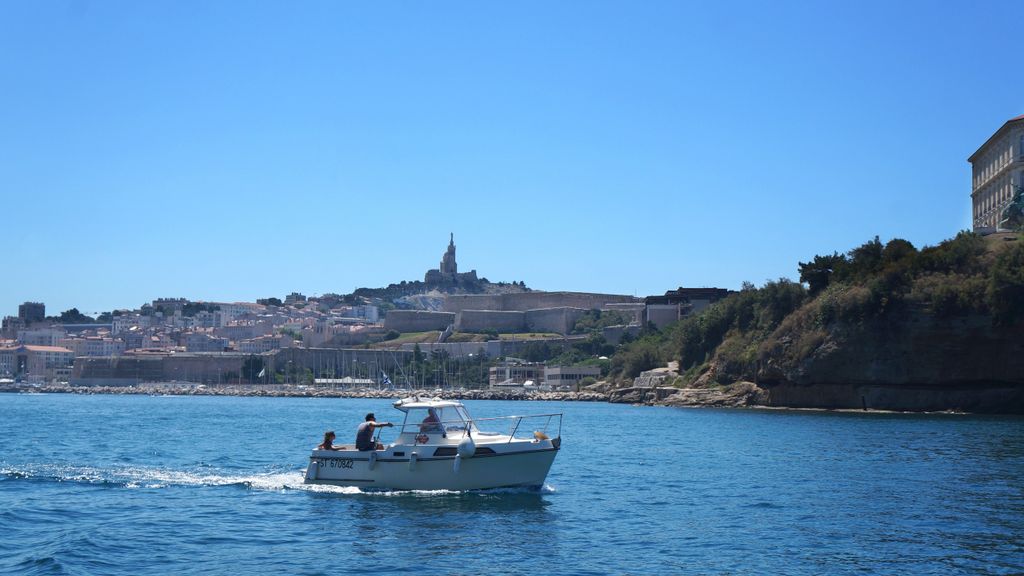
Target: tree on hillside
898, 249
818, 272
73, 316
864, 261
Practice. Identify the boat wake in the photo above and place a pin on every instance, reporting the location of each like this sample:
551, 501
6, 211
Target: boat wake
136, 477
143, 477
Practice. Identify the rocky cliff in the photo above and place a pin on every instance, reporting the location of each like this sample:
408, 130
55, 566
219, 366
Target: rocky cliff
913, 361
884, 327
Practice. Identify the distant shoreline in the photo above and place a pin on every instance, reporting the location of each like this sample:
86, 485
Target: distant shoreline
262, 391
667, 397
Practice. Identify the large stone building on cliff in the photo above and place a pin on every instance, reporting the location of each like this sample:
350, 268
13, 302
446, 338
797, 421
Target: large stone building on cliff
998, 169
448, 273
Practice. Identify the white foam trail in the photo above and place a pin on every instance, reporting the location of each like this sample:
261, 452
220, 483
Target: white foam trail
155, 478
141, 477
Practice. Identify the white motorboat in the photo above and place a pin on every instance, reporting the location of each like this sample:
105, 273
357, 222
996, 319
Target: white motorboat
440, 447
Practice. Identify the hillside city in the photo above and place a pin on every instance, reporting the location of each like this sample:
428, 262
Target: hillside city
452, 329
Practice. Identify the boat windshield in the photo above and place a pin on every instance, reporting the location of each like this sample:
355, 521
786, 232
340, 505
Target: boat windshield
442, 419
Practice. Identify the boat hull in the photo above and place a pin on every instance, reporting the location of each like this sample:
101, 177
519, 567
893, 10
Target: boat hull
417, 471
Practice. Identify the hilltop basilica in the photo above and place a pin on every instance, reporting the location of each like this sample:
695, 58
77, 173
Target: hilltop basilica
448, 274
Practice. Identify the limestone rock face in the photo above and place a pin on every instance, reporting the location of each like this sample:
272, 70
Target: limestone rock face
733, 396
913, 362
640, 395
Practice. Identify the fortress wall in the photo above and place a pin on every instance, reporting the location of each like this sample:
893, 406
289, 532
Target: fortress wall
217, 368
460, 349
417, 320
204, 368
613, 334
559, 320
636, 309
460, 302
533, 300
118, 367
480, 320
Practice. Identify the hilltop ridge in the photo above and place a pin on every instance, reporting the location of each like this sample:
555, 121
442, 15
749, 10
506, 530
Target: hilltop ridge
882, 326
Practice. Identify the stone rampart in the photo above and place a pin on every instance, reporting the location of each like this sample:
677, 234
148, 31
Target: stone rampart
533, 300
417, 320
491, 349
480, 320
558, 320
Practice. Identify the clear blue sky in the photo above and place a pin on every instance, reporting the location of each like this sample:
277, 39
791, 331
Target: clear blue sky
236, 150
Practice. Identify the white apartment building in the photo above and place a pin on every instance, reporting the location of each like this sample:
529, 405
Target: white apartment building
94, 346
202, 342
41, 336
367, 312
232, 310
998, 168
126, 322
263, 344
205, 319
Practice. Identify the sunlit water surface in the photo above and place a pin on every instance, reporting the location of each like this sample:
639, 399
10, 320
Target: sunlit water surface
213, 485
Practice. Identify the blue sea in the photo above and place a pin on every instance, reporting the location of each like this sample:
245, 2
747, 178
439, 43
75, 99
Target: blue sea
213, 485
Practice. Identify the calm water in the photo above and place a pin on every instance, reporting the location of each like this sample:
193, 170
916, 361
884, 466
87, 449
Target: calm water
211, 485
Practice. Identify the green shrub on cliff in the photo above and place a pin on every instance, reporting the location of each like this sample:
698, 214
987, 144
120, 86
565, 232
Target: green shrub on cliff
735, 326
644, 354
874, 284
1005, 291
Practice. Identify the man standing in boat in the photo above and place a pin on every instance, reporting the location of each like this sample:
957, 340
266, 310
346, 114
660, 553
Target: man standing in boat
364, 434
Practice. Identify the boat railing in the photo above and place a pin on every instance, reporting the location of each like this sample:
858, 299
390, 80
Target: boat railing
550, 425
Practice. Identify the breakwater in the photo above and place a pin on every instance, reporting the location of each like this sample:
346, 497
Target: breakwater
185, 389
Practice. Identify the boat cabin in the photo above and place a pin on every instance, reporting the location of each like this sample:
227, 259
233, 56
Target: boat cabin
433, 421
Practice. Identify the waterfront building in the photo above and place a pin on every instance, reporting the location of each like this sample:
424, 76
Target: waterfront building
568, 377
32, 312
36, 362
514, 374
998, 169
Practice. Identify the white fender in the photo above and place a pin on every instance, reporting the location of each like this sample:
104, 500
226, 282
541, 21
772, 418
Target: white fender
467, 447
373, 460
458, 462
412, 460
312, 470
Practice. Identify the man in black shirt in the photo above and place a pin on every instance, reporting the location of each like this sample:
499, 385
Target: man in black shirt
364, 434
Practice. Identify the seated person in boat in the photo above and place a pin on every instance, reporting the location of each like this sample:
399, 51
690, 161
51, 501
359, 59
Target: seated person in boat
328, 443
431, 423
364, 434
